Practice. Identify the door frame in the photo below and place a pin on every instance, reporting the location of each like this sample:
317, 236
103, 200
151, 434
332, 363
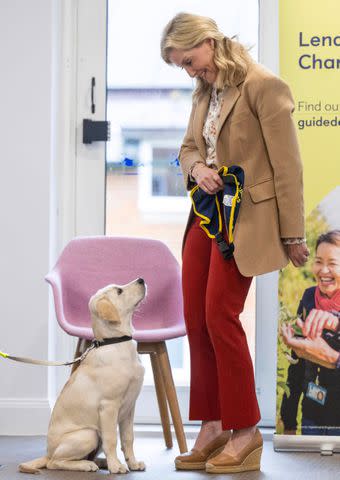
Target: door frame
267, 303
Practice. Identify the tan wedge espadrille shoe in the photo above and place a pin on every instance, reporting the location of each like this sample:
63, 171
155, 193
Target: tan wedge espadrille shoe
248, 459
196, 459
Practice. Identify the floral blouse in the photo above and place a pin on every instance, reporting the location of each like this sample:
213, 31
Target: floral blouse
211, 124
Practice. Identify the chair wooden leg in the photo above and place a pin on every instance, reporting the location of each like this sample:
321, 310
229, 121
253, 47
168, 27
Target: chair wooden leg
81, 347
170, 390
161, 397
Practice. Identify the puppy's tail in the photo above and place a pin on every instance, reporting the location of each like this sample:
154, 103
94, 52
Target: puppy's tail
33, 466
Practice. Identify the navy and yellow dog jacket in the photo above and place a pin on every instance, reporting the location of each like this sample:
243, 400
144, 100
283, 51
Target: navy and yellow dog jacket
209, 207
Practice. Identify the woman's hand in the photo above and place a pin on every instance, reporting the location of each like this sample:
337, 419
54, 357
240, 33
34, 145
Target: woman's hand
207, 179
316, 350
316, 321
298, 253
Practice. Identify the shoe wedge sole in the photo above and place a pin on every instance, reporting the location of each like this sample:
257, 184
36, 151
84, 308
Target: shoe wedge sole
251, 462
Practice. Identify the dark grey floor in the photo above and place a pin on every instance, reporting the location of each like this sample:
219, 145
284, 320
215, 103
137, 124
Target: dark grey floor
160, 466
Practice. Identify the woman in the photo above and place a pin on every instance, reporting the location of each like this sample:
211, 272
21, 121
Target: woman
316, 375
241, 115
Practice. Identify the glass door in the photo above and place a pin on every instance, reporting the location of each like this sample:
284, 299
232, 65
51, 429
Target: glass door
148, 105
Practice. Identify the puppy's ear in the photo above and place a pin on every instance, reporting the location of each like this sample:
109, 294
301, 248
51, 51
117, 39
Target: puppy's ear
106, 310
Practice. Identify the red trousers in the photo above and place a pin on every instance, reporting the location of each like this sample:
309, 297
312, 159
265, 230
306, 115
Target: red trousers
222, 385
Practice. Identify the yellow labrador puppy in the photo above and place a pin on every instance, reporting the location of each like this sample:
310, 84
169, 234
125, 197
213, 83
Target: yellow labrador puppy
101, 393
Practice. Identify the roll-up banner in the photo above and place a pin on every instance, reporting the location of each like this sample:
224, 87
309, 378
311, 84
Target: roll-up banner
308, 367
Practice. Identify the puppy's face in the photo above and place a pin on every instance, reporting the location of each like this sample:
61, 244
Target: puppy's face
114, 302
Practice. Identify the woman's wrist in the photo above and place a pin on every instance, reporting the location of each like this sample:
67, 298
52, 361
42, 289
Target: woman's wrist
195, 167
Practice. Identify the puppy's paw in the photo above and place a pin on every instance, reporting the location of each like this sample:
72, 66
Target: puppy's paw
91, 467
117, 467
136, 465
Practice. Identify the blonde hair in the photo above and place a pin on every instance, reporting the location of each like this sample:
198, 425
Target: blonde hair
186, 31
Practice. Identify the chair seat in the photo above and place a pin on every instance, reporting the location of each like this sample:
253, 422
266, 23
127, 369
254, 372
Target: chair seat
89, 263
159, 334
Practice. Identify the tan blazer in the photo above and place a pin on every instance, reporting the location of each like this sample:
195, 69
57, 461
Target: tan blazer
255, 131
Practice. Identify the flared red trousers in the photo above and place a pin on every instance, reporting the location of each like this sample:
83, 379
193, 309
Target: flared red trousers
222, 385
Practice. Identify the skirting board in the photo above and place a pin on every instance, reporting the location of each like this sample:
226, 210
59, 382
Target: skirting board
326, 445
24, 416
31, 416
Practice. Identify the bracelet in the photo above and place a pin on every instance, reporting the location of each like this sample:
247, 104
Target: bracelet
293, 241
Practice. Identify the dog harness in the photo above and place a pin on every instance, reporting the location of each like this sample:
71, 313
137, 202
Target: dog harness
94, 344
208, 208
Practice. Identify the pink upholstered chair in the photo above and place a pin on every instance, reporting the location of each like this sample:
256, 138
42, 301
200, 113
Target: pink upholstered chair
89, 263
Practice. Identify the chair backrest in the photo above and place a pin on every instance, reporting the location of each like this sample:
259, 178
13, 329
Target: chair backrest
89, 263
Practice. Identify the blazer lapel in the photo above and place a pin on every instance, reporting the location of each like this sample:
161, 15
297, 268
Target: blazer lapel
199, 117
229, 99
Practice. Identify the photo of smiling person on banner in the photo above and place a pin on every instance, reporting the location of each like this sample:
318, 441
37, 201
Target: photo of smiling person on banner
315, 363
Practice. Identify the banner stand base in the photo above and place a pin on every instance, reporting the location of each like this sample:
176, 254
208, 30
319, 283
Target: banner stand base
325, 444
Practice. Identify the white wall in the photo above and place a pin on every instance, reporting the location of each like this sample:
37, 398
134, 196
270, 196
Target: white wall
26, 124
